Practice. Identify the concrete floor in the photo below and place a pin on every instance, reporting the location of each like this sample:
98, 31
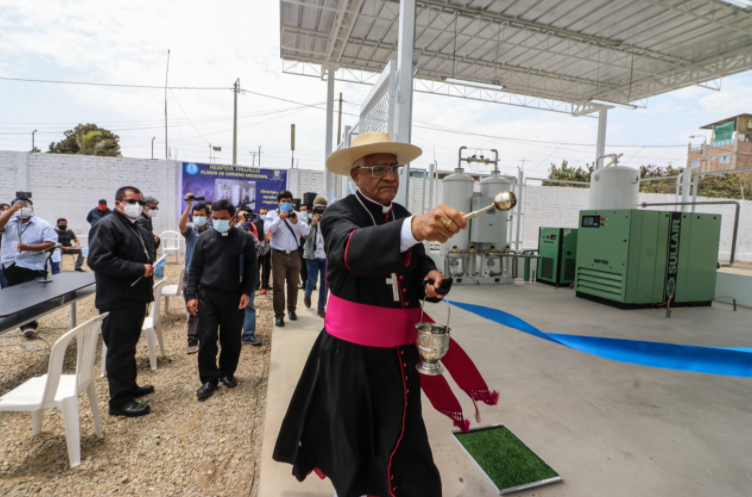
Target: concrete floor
610, 429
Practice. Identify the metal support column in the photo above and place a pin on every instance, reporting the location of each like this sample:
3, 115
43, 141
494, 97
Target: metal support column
431, 167
404, 100
328, 182
600, 148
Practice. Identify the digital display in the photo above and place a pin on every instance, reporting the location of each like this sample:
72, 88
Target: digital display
591, 221
553, 237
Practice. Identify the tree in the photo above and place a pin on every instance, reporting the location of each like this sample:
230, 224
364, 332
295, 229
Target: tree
566, 173
88, 139
659, 186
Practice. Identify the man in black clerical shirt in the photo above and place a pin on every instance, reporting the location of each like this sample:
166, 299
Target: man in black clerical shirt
221, 279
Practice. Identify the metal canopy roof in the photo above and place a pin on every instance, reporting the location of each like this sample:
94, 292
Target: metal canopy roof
553, 54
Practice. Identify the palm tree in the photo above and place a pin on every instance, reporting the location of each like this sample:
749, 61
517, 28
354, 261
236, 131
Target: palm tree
92, 143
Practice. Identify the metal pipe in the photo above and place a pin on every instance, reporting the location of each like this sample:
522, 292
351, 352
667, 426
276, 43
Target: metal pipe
459, 154
713, 202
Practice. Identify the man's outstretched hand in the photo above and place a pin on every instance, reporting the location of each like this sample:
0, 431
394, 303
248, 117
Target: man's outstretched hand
431, 226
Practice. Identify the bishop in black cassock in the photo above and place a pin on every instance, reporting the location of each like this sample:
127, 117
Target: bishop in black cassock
355, 416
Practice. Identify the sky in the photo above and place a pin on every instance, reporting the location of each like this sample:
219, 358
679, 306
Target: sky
214, 43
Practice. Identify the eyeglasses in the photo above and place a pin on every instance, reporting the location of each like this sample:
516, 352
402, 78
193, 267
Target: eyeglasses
379, 170
132, 201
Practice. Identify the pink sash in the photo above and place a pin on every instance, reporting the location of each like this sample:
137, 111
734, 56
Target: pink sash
374, 326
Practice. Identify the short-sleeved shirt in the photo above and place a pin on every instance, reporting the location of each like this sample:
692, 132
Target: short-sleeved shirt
34, 232
65, 238
191, 235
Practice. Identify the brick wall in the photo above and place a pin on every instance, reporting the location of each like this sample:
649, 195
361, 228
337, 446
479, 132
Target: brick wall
70, 185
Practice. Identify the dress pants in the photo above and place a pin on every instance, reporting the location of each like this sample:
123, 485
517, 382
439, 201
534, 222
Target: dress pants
285, 269
121, 330
219, 319
192, 320
3, 281
15, 275
265, 266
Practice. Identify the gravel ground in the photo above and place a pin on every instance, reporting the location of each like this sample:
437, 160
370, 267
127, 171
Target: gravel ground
184, 447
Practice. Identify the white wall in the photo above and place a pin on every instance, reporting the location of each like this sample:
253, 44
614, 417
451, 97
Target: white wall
70, 185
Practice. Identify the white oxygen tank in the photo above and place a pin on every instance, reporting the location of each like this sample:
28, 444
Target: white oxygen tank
489, 188
458, 194
615, 187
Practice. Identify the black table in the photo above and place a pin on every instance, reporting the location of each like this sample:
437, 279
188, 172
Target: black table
22, 304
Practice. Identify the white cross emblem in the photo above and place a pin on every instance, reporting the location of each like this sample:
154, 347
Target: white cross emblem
395, 286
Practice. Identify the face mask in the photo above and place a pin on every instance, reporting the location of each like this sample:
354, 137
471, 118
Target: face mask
285, 206
25, 213
304, 215
152, 213
132, 210
62, 227
262, 216
102, 207
199, 221
221, 225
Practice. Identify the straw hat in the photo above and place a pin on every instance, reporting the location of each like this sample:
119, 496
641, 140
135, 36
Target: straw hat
341, 161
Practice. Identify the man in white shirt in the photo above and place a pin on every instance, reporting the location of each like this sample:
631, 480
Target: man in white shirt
25, 238
286, 230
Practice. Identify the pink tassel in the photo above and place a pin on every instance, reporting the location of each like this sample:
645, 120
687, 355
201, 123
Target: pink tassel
463, 425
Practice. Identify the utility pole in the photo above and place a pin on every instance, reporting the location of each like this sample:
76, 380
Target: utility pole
253, 164
339, 122
167, 73
33, 147
152, 147
292, 145
523, 160
259, 152
235, 125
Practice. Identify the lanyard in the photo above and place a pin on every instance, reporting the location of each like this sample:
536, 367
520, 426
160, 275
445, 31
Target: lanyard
22, 231
369, 212
146, 252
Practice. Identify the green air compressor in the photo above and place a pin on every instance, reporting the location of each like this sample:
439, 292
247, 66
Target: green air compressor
557, 248
638, 258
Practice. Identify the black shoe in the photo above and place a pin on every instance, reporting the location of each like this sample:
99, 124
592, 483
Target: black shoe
206, 390
293, 316
280, 321
144, 390
131, 410
78, 269
229, 381
307, 301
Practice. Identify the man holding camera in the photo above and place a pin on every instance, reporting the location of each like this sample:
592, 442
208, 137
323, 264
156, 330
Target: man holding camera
286, 231
191, 233
25, 239
265, 261
315, 258
121, 254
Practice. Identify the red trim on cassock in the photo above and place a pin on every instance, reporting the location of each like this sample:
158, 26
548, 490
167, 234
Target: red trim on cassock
402, 433
407, 256
347, 247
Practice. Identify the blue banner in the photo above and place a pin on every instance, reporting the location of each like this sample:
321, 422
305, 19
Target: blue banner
727, 361
240, 185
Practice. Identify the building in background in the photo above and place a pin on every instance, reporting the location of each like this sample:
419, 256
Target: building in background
730, 146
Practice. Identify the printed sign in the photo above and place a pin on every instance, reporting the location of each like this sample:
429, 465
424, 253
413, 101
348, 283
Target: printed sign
243, 186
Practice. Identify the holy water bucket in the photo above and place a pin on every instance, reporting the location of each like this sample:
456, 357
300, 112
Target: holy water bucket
433, 344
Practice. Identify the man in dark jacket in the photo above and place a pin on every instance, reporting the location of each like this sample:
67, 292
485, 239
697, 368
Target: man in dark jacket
121, 255
97, 213
220, 283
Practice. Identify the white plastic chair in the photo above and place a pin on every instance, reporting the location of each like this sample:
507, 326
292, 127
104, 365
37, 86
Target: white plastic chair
173, 290
61, 391
152, 329
170, 244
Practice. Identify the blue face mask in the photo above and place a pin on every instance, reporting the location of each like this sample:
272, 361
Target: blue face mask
262, 216
199, 220
221, 225
285, 206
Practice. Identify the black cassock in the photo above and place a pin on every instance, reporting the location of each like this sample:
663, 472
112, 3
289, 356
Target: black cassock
356, 415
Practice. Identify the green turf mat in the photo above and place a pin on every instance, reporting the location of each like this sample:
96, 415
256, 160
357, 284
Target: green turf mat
505, 459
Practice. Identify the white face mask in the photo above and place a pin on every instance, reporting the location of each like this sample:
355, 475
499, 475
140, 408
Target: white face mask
132, 210
25, 212
152, 213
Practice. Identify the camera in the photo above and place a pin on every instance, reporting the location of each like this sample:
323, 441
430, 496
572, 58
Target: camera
319, 210
293, 215
192, 198
23, 195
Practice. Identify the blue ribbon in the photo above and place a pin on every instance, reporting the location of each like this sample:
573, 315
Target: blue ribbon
725, 361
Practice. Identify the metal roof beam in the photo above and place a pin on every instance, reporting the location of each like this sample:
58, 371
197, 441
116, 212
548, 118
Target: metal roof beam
689, 7
344, 22
552, 31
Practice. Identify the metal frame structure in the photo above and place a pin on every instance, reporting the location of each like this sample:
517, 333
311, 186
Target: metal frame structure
554, 55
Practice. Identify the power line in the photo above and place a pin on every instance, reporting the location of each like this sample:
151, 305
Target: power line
119, 85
